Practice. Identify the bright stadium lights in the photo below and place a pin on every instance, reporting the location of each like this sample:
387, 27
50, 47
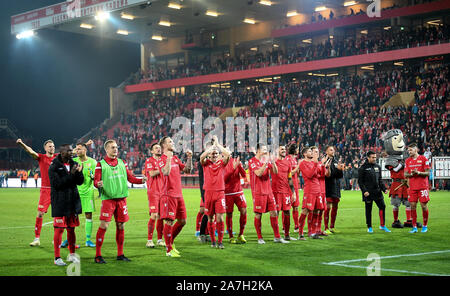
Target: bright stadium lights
265, 2
164, 23
365, 32
127, 16
320, 8
249, 21
25, 34
349, 3
102, 16
307, 40
370, 67
157, 37
212, 13
387, 28
123, 32
291, 13
398, 64
174, 5
86, 26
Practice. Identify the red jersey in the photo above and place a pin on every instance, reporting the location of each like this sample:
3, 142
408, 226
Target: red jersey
294, 163
213, 175
259, 185
321, 175
155, 185
310, 172
232, 178
44, 163
280, 181
421, 163
113, 162
173, 180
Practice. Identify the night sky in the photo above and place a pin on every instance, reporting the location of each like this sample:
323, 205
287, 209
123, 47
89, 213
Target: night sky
56, 85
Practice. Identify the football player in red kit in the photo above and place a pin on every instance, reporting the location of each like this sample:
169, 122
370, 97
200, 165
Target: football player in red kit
292, 157
281, 189
417, 169
214, 186
325, 162
234, 195
263, 200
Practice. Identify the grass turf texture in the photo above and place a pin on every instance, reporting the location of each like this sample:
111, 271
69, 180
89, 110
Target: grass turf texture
17, 258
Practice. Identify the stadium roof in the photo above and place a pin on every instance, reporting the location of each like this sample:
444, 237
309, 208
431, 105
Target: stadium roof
79, 16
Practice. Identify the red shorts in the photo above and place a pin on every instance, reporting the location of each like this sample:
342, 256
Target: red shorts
64, 222
401, 192
333, 199
263, 203
237, 199
172, 208
44, 199
419, 195
313, 201
283, 201
296, 202
153, 203
116, 207
214, 202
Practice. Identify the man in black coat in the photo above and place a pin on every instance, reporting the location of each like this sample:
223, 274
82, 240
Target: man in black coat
332, 189
372, 189
65, 175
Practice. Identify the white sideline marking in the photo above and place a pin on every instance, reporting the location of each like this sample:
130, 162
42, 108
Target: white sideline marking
343, 263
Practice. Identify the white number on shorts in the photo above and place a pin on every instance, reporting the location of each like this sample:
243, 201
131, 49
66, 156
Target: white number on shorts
287, 199
242, 197
223, 202
424, 193
125, 210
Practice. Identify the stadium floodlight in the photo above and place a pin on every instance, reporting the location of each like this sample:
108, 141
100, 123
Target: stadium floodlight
164, 23
86, 26
291, 13
320, 8
25, 34
157, 37
102, 16
127, 16
123, 32
174, 5
349, 3
212, 13
265, 2
249, 21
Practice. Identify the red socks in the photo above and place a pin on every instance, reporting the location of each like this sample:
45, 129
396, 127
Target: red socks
242, 223
167, 233
258, 227
229, 220
274, 224
57, 239
176, 230
286, 224
414, 217
99, 241
120, 238
408, 214
151, 228
425, 217
220, 231
212, 231
38, 227
301, 223
159, 228
295, 217
198, 221
326, 218
395, 212
333, 216
71, 238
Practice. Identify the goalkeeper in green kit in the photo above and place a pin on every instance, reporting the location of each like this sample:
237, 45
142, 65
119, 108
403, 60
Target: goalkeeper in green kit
86, 190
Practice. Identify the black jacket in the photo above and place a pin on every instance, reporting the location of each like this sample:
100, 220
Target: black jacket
369, 180
332, 183
65, 198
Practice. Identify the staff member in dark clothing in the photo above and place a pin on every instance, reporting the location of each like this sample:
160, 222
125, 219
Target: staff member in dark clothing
372, 188
65, 175
332, 189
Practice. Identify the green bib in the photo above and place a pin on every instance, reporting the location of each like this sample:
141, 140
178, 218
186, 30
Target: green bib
115, 184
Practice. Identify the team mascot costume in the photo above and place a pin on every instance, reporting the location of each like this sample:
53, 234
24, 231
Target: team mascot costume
394, 146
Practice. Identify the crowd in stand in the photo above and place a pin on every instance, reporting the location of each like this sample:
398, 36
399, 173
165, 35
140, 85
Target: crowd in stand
343, 111
299, 52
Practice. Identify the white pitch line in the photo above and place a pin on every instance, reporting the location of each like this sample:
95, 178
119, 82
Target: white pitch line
343, 263
19, 227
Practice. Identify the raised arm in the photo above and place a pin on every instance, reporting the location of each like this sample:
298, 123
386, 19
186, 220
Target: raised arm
27, 149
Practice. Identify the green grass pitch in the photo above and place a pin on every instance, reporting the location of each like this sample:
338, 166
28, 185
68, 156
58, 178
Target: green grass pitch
342, 254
